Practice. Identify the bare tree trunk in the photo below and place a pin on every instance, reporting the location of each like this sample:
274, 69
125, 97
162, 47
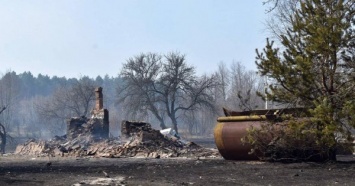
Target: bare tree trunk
3, 139
175, 127
2, 135
162, 124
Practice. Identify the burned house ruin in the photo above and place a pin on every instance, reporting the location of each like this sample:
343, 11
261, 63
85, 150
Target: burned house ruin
97, 126
90, 137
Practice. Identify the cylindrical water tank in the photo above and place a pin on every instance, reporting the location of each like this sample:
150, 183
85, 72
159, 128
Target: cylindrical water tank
228, 135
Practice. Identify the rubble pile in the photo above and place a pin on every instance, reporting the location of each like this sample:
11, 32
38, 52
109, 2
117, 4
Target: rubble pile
32, 147
82, 126
90, 137
146, 142
132, 127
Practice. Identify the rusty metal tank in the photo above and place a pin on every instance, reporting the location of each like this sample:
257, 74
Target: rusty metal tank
231, 128
228, 135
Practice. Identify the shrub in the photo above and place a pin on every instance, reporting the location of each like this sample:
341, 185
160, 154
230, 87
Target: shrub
294, 139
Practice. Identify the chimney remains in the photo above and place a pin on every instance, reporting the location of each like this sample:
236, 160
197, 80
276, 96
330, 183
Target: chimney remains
97, 126
99, 99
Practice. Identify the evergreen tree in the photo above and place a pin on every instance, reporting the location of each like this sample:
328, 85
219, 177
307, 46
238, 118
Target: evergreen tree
314, 67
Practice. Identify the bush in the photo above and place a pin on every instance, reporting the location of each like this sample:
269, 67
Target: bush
294, 139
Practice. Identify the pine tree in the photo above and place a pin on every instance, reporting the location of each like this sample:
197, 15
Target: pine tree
314, 66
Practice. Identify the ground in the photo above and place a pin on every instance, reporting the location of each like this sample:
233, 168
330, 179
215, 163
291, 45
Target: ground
25, 170
140, 171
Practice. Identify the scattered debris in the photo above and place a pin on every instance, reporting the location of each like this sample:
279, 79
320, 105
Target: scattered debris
102, 181
106, 175
170, 133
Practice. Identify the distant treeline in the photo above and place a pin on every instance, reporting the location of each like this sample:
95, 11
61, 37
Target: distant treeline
29, 85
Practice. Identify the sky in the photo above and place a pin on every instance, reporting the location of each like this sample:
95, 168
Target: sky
75, 38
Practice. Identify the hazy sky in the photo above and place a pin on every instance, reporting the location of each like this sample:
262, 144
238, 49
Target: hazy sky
94, 37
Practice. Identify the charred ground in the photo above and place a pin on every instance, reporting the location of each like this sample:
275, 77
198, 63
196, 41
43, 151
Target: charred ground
20, 170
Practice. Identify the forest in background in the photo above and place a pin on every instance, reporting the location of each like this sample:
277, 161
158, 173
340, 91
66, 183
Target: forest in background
38, 106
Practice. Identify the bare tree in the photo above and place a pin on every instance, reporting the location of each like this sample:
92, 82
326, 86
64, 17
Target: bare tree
200, 121
67, 101
280, 12
81, 96
3, 135
140, 75
223, 76
9, 91
28, 117
181, 89
244, 87
166, 87
9, 96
